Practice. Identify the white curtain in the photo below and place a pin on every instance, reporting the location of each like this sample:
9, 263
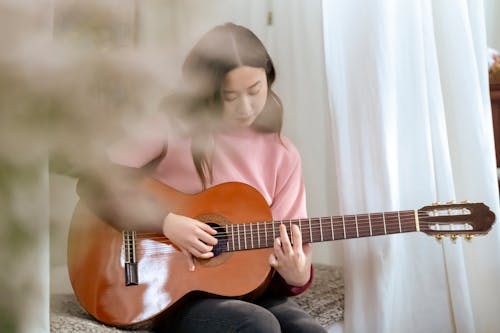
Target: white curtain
411, 125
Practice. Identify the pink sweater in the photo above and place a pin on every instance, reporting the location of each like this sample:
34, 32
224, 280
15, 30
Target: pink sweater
266, 161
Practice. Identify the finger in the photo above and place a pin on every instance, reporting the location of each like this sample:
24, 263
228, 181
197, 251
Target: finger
307, 250
205, 237
190, 259
296, 237
199, 248
273, 261
278, 250
285, 240
196, 254
205, 227
206, 255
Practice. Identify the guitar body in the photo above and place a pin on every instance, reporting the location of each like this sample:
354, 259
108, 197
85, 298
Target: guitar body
97, 269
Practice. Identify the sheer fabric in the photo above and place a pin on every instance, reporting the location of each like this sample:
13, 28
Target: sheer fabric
411, 124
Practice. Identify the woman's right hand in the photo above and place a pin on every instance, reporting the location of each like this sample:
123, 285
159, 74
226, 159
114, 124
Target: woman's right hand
194, 238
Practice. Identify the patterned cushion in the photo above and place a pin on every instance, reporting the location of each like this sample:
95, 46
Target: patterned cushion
324, 301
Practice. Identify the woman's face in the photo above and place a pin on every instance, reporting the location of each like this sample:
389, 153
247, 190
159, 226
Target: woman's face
244, 94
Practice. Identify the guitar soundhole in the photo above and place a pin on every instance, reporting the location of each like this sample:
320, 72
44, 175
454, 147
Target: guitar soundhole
221, 236
217, 222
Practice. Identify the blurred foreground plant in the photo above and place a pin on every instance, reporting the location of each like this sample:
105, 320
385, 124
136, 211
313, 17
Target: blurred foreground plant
62, 100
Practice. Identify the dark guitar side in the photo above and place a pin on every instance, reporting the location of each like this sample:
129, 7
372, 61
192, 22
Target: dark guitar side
96, 264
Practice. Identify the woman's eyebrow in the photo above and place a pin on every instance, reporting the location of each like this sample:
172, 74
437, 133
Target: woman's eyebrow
227, 91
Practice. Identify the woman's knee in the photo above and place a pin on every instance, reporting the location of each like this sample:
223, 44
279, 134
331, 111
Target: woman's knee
226, 315
258, 319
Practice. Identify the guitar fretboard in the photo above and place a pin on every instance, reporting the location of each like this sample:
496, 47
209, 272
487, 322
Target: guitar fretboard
261, 235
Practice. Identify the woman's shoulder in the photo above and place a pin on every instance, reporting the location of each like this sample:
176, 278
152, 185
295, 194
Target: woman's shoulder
282, 147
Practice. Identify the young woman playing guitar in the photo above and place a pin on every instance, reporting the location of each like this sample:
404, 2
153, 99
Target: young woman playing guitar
223, 125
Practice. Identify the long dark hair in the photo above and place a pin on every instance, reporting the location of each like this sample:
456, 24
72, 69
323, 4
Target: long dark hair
219, 51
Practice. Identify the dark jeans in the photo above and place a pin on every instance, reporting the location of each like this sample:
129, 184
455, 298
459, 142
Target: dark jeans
270, 314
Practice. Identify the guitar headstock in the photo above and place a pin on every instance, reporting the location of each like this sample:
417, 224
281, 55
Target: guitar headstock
456, 219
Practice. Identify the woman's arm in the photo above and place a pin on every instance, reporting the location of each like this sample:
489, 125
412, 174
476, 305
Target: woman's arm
291, 258
115, 193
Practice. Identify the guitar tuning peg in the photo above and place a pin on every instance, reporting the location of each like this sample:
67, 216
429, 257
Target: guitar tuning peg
454, 237
439, 237
450, 202
466, 202
469, 237
436, 203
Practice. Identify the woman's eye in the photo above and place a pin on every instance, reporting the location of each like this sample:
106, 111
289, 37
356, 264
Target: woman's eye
254, 90
229, 97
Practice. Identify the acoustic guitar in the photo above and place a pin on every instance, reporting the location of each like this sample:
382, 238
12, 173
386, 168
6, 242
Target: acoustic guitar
128, 279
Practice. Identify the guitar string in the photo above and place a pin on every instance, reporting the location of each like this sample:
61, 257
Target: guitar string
362, 217
363, 227
265, 243
326, 223
314, 231
159, 249
362, 230
349, 221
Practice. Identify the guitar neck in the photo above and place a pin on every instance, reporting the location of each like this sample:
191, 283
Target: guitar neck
249, 236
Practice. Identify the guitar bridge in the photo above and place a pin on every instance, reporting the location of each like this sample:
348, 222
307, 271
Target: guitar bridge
131, 273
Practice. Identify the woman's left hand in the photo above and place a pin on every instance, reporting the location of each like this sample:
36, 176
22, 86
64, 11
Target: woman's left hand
292, 260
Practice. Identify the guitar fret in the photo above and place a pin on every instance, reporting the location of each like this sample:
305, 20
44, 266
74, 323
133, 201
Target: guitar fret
239, 241
417, 223
274, 232
320, 229
370, 222
385, 228
245, 235
356, 221
310, 231
265, 227
258, 236
399, 221
251, 234
343, 224
331, 226
227, 231
300, 228
232, 234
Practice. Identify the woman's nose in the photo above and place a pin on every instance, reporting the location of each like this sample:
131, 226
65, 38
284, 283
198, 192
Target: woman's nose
245, 104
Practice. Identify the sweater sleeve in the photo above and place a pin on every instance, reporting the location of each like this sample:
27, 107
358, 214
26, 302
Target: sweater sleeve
289, 200
289, 203
278, 286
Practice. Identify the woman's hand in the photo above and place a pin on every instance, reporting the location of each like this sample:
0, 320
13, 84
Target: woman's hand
292, 262
194, 238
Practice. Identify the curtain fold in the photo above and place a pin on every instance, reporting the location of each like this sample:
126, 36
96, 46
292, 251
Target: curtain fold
410, 110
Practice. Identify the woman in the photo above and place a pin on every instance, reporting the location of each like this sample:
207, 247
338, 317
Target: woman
223, 127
